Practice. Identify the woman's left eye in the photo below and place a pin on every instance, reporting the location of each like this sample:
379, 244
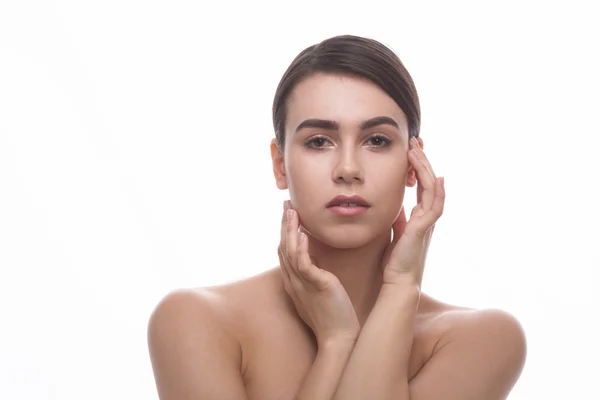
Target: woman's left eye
379, 141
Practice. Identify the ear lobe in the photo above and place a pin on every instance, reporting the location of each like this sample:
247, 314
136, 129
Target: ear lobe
278, 166
411, 177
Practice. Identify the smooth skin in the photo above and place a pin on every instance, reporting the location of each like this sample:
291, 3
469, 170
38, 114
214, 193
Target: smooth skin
343, 316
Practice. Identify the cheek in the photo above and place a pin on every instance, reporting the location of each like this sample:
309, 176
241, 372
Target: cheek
304, 178
391, 185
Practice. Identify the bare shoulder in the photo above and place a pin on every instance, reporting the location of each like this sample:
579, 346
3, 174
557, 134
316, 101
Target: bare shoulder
456, 322
478, 354
455, 316
241, 300
218, 307
192, 348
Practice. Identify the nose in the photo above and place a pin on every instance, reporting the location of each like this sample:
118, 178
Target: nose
347, 167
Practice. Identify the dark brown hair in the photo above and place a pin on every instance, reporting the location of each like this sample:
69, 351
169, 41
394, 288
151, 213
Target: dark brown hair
353, 56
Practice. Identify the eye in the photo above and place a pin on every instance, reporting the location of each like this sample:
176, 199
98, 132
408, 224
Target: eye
379, 141
316, 142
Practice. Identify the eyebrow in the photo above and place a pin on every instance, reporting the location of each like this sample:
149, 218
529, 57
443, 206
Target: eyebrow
334, 126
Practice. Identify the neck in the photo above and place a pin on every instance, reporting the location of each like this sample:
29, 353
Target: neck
358, 269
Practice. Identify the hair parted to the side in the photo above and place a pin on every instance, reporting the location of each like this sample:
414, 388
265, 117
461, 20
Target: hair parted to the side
353, 56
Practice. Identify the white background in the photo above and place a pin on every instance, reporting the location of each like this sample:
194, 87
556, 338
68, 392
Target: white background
134, 159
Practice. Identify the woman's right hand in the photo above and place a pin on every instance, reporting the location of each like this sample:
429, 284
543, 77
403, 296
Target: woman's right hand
319, 297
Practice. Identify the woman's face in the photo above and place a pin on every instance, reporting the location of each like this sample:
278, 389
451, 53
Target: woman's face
344, 136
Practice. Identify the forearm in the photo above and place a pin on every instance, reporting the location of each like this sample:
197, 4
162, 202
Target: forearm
378, 366
323, 378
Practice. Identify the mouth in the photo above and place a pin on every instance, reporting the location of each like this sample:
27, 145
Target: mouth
348, 205
348, 210
348, 201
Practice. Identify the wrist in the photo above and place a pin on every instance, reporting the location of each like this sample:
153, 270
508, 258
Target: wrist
405, 279
405, 289
341, 342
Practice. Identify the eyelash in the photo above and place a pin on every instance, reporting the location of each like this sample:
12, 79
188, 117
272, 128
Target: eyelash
386, 142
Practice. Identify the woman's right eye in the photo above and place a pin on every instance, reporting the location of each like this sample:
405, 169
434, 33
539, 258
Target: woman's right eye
317, 142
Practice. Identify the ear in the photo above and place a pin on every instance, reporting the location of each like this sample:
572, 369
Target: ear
278, 165
411, 175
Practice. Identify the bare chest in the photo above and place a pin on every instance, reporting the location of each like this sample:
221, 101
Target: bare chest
278, 352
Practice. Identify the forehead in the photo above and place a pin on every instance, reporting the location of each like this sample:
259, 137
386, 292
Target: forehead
345, 99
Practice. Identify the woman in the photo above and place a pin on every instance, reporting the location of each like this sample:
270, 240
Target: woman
343, 316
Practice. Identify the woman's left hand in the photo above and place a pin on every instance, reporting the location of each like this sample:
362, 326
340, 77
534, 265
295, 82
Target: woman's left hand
404, 258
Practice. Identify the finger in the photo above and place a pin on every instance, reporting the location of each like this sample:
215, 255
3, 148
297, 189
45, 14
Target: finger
284, 225
422, 156
283, 268
437, 209
281, 251
307, 269
398, 226
419, 192
425, 182
292, 243
293, 248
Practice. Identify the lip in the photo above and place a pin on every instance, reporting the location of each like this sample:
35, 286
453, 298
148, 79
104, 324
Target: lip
353, 199
348, 211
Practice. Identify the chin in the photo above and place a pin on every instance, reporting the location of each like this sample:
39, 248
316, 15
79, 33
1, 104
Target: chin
343, 236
